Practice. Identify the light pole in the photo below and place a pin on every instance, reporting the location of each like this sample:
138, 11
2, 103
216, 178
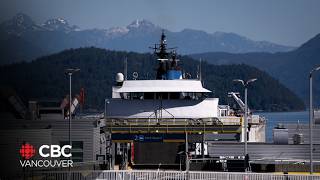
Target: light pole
187, 156
311, 117
106, 101
109, 149
70, 72
245, 84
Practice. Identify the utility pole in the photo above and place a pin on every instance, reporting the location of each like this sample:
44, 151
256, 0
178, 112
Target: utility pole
125, 68
69, 72
245, 85
187, 156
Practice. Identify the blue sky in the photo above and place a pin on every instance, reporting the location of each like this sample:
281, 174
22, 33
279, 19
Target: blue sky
288, 22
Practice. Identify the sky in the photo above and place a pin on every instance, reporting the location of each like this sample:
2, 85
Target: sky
286, 22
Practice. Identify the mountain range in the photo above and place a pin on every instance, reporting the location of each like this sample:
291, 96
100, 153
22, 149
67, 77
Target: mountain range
291, 68
22, 39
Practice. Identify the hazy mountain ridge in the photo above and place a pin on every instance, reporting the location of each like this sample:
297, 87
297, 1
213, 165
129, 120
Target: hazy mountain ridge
291, 68
57, 34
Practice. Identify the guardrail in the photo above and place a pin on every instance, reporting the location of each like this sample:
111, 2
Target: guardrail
167, 175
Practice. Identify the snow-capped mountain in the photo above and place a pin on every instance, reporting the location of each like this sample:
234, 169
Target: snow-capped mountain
116, 32
59, 24
142, 25
57, 34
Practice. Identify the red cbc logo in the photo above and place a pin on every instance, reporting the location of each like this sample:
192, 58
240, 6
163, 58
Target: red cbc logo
27, 151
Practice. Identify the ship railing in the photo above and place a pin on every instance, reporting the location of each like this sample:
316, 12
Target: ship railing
205, 125
168, 122
173, 121
167, 175
256, 119
159, 118
230, 120
235, 120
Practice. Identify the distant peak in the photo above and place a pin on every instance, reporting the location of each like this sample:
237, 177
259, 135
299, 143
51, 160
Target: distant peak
19, 24
20, 15
59, 24
58, 20
117, 30
312, 44
219, 33
138, 23
22, 19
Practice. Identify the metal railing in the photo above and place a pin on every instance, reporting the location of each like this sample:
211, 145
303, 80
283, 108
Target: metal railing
167, 175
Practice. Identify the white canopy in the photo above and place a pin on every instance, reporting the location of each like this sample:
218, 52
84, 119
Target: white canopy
180, 108
179, 85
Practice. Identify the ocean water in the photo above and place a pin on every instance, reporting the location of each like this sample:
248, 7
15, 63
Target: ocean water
274, 118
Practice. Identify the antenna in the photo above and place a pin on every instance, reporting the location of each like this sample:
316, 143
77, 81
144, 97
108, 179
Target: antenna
198, 72
125, 68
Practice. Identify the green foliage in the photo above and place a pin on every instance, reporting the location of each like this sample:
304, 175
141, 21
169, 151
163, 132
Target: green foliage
44, 78
290, 68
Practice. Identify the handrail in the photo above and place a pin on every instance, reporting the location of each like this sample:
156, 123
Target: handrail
166, 174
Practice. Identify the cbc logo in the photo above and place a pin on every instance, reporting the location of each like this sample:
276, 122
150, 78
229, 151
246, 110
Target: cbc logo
27, 151
55, 151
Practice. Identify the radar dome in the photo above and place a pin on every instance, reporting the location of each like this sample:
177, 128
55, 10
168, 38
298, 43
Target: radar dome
119, 77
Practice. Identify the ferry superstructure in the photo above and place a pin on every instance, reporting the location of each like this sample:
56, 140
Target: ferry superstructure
149, 116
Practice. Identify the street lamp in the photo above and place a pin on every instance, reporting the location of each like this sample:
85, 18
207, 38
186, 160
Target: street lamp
106, 101
245, 84
311, 117
70, 72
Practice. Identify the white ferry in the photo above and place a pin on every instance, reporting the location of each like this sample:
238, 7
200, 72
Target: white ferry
149, 121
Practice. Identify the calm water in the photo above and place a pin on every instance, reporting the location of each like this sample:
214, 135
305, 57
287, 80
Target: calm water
273, 118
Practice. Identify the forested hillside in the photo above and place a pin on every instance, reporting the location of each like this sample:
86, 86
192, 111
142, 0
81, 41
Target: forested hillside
44, 78
291, 68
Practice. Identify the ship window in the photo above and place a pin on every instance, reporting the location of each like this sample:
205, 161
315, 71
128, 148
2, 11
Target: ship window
136, 95
188, 95
157, 95
162, 95
223, 112
148, 95
174, 95
77, 150
192, 95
